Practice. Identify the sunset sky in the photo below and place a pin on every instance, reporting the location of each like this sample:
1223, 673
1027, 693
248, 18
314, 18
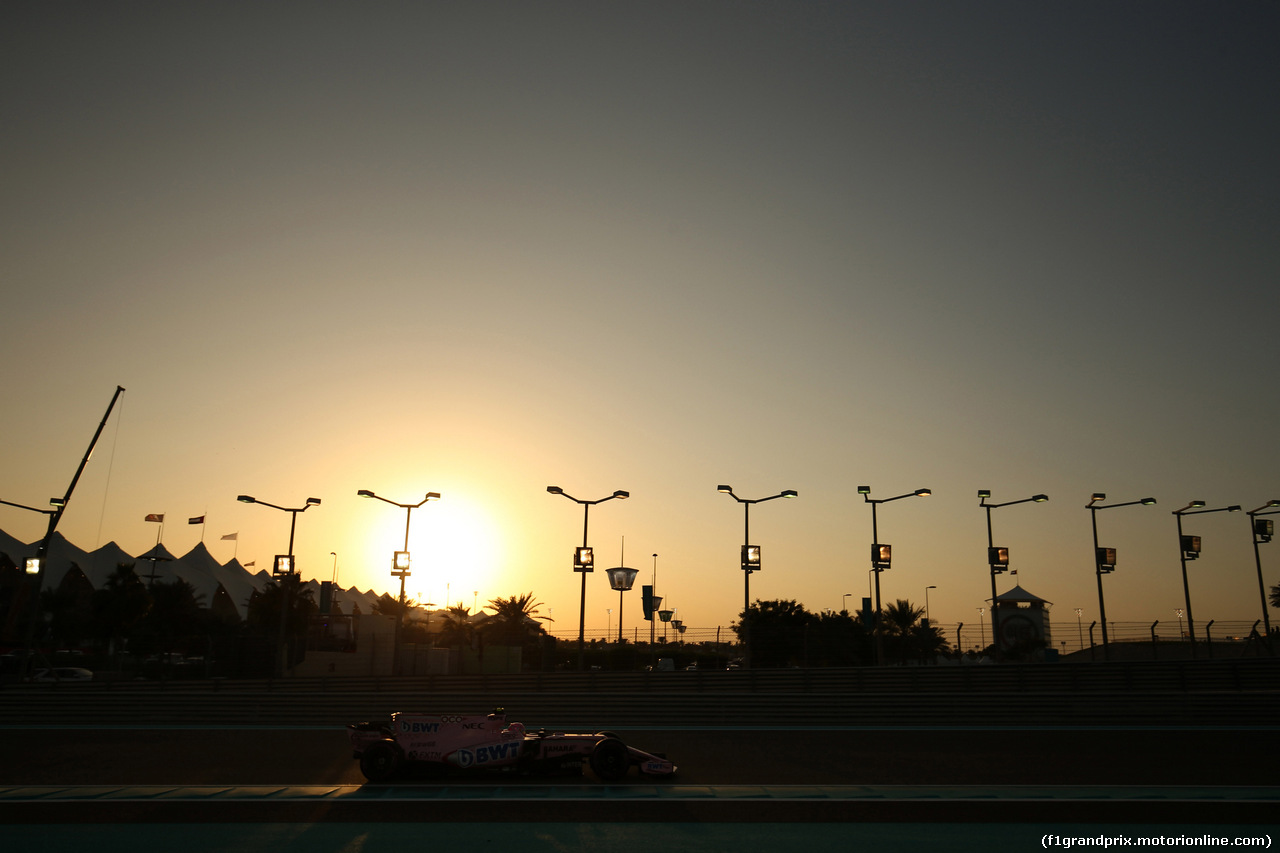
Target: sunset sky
483, 248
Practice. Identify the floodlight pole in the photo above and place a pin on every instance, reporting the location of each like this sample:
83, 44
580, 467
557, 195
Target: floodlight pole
1257, 559
582, 606
282, 658
1093, 506
746, 570
401, 571
876, 567
1193, 508
983, 496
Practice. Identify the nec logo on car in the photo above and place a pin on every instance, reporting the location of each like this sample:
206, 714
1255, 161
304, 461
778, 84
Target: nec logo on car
486, 754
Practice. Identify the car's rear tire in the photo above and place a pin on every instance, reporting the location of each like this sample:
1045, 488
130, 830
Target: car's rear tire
381, 761
610, 760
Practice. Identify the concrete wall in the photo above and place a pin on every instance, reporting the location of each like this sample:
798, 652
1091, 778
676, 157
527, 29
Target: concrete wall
373, 655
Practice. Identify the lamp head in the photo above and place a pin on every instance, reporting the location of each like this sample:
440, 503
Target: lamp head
432, 496
57, 502
1098, 496
1233, 508
555, 490
864, 490
728, 490
1039, 498
247, 499
789, 493
923, 493
983, 494
1148, 501
313, 502
1196, 505
621, 495
364, 493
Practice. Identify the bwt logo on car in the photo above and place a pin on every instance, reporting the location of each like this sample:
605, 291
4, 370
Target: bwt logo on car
486, 754
419, 728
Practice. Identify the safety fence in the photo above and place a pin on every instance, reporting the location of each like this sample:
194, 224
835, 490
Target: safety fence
1175, 693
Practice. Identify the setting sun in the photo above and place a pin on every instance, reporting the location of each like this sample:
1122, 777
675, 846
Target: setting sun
454, 545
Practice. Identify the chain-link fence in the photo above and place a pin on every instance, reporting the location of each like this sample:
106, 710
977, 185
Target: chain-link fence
1066, 637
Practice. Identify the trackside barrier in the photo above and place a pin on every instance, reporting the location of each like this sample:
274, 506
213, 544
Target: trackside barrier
1236, 692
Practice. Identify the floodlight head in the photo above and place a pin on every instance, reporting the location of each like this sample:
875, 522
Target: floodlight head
555, 490
983, 494
1098, 496
1148, 501
247, 499
789, 493
1196, 505
57, 502
431, 496
728, 490
923, 493
864, 490
1233, 508
313, 502
1039, 498
621, 495
364, 493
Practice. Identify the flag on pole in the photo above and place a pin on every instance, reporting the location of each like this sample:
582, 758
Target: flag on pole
158, 518
231, 536
199, 519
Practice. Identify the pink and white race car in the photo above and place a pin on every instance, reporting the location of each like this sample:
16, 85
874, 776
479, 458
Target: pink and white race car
486, 741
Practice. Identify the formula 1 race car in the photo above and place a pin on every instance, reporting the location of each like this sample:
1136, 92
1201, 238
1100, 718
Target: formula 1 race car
486, 741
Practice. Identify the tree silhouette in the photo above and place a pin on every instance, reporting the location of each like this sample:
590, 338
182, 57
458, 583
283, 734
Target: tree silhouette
458, 629
265, 607
776, 631
120, 605
905, 636
174, 617
514, 620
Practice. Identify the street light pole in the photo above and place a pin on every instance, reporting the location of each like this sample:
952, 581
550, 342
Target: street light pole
400, 562
881, 555
1104, 563
584, 562
1189, 549
283, 566
750, 561
1262, 532
998, 558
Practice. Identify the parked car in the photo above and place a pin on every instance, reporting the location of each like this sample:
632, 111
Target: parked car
63, 673
486, 742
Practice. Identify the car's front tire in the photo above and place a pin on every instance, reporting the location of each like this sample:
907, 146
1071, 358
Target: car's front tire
610, 760
381, 761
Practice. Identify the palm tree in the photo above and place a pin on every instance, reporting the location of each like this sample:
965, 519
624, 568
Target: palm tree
457, 629
515, 620
175, 614
905, 636
265, 606
120, 605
